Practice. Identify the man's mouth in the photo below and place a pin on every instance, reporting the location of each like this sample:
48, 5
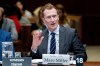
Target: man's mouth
53, 24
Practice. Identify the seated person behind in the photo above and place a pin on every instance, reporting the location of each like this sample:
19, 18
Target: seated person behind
4, 36
65, 39
7, 24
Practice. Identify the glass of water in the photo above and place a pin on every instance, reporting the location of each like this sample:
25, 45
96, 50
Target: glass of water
17, 54
7, 49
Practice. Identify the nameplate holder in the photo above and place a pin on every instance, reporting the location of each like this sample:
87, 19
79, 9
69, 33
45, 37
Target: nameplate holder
24, 61
56, 59
79, 60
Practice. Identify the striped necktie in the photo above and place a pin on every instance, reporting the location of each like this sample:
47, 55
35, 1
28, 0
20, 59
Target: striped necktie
52, 44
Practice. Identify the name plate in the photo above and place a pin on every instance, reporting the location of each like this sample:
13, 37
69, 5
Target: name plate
56, 59
24, 61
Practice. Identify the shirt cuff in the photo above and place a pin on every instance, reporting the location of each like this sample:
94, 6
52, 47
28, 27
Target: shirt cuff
34, 50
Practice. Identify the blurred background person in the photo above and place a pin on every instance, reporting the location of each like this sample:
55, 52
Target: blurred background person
39, 22
14, 13
4, 37
63, 20
26, 16
6, 23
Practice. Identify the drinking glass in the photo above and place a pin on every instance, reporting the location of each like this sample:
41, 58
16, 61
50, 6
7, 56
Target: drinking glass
17, 54
7, 49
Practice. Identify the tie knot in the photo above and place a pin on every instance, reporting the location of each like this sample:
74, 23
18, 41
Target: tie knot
53, 33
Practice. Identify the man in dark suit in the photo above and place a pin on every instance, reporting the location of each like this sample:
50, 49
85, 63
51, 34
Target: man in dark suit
66, 39
4, 36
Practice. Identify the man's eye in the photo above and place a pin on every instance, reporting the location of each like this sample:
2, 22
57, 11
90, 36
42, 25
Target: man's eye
49, 17
54, 16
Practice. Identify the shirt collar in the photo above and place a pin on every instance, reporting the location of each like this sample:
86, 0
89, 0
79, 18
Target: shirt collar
55, 31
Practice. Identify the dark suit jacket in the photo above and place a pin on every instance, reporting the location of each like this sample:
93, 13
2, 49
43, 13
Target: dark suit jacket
68, 42
4, 36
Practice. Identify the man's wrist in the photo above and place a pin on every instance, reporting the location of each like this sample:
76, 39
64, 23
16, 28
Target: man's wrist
33, 50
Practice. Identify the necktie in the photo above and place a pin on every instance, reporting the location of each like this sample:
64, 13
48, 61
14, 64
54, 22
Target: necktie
52, 44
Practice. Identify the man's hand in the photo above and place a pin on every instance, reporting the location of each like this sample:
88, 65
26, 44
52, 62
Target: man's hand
37, 39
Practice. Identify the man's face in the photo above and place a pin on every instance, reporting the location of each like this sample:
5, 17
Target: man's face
51, 19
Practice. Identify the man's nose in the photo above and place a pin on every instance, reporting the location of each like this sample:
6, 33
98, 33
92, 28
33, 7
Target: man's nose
52, 18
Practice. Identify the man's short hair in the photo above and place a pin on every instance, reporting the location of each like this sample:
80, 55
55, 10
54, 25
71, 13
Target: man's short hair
47, 6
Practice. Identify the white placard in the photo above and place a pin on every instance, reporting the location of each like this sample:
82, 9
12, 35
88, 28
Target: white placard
56, 59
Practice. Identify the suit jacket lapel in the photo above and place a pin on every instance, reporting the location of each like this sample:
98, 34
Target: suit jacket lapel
45, 42
61, 40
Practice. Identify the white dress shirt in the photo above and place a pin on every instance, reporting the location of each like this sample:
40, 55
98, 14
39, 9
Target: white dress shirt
57, 40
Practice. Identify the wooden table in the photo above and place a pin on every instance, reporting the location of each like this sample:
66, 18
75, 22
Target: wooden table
85, 64
92, 63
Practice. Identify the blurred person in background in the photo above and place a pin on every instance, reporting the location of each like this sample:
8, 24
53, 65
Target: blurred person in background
4, 37
63, 20
14, 13
7, 24
26, 15
39, 22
